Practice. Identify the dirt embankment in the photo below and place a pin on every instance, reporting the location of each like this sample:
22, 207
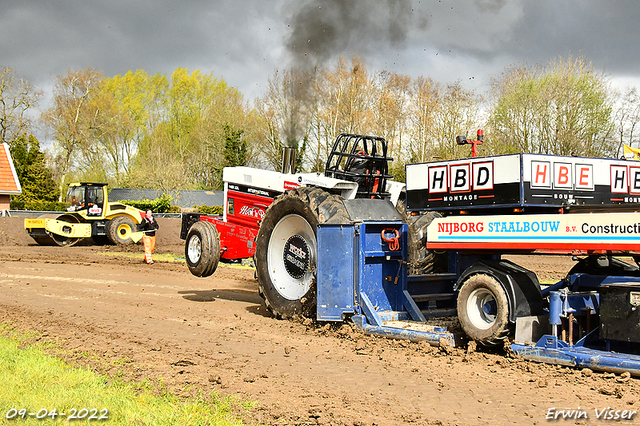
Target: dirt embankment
110, 311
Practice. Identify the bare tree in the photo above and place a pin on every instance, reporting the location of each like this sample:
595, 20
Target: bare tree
422, 119
627, 117
345, 105
286, 111
391, 106
17, 100
457, 114
70, 119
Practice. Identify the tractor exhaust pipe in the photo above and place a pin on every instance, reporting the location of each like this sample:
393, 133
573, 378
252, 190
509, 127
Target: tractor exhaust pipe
289, 160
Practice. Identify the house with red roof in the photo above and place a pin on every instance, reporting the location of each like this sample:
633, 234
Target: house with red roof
9, 183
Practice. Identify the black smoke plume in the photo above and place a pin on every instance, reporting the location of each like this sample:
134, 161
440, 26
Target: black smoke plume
324, 29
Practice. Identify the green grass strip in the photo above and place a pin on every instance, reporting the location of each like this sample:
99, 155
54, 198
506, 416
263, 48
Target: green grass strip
32, 380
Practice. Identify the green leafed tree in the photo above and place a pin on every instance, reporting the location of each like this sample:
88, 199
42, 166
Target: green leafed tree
235, 147
186, 136
234, 153
35, 177
562, 109
128, 109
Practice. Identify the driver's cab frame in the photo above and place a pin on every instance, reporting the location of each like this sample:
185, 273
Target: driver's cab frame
88, 199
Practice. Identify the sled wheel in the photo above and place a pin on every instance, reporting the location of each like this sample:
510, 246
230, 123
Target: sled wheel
286, 249
119, 230
202, 249
483, 310
421, 260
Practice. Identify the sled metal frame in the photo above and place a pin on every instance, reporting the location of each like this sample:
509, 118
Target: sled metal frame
594, 349
360, 277
551, 350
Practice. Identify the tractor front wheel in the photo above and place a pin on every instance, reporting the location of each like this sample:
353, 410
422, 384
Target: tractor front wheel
202, 249
286, 249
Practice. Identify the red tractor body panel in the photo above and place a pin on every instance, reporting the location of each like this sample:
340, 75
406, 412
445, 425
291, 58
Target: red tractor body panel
245, 207
236, 241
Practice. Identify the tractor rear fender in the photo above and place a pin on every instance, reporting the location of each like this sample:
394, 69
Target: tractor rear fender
129, 212
114, 209
520, 285
345, 188
348, 189
396, 189
188, 220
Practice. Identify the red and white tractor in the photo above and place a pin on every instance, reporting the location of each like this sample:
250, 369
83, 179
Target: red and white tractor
272, 217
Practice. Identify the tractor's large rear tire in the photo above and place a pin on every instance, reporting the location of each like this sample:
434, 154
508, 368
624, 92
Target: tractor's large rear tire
286, 249
421, 260
483, 310
119, 230
202, 249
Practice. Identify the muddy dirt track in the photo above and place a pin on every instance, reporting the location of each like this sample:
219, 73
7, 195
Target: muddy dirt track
214, 335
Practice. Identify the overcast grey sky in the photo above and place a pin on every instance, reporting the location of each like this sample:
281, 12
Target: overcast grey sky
245, 41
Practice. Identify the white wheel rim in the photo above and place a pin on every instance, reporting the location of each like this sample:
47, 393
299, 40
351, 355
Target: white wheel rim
194, 249
284, 283
478, 300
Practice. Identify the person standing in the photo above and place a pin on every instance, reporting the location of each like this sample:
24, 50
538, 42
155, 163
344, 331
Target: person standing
149, 226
